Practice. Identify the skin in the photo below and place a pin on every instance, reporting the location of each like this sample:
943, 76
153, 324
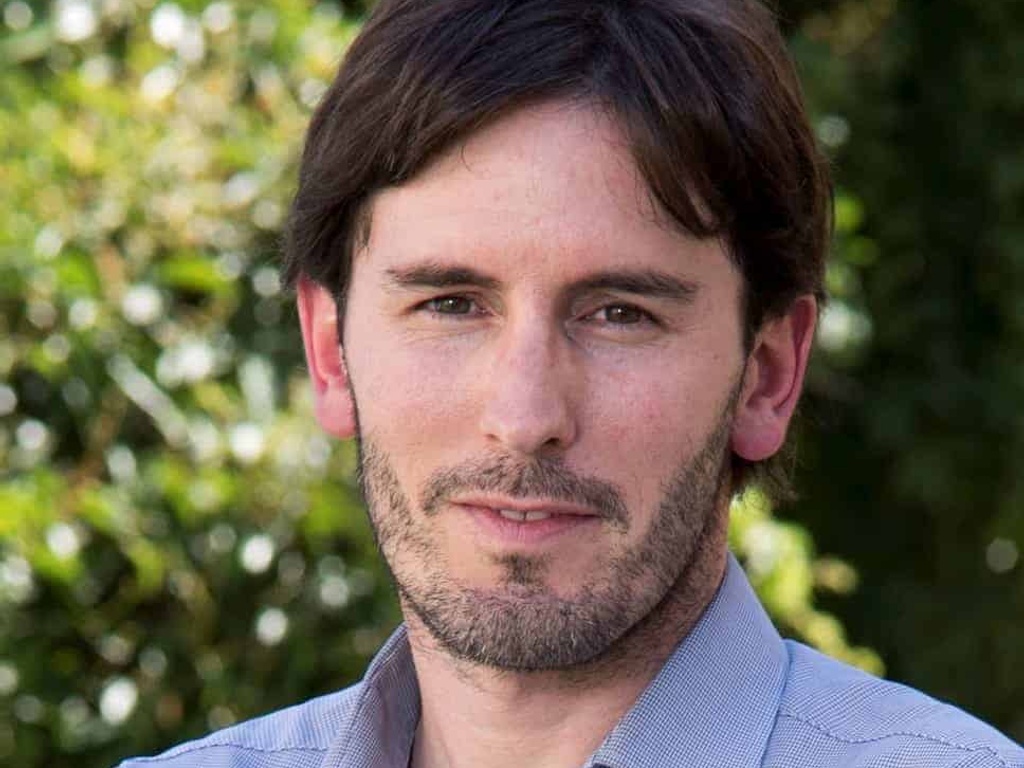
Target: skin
522, 311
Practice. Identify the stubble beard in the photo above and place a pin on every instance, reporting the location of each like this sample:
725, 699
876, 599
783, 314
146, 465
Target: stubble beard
522, 625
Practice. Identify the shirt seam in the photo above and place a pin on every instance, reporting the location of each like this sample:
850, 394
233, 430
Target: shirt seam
368, 688
365, 691
783, 691
963, 763
927, 737
231, 744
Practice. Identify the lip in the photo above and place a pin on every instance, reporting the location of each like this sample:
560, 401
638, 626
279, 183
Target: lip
524, 505
493, 529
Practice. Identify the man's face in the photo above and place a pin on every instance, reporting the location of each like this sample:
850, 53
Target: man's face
544, 373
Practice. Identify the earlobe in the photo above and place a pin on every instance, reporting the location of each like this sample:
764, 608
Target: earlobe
335, 409
773, 380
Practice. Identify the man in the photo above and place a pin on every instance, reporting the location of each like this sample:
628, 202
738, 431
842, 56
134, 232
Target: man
558, 266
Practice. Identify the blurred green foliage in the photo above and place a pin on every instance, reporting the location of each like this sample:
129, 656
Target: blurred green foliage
181, 548
913, 470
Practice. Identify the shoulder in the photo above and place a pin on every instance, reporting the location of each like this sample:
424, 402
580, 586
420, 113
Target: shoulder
297, 737
848, 718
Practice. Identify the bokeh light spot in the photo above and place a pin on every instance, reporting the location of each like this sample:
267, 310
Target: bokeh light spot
167, 25
334, 591
32, 435
153, 662
219, 17
8, 400
82, 314
8, 678
247, 442
63, 540
271, 626
257, 553
17, 15
76, 20
142, 304
29, 709
1002, 555
118, 700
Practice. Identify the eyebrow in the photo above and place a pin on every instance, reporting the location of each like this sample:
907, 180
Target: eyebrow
640, 282
439, 276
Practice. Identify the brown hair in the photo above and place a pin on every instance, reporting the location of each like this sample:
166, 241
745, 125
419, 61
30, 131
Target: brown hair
704, 91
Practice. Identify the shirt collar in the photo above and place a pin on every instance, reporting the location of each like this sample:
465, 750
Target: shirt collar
380, 731
714, 702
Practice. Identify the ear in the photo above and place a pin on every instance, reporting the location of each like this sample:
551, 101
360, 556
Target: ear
335, 408
772, 381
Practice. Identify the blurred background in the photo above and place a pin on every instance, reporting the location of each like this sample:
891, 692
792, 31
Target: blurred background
180, 547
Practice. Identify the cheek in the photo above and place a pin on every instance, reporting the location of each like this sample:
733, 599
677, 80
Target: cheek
412, 401
666, 403
652, 429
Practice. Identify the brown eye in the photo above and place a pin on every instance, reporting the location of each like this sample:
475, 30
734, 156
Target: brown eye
451, 305
623, 314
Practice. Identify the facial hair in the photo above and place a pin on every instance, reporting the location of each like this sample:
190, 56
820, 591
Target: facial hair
522, 625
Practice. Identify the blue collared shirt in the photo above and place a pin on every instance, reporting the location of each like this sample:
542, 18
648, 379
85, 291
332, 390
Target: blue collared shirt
733, 695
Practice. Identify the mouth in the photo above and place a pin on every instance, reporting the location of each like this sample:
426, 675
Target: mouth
523, 517
524, 522
525, 510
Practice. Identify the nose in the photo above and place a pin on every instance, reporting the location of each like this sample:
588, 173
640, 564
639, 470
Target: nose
530, 392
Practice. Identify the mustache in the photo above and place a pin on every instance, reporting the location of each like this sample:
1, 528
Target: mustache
542, 477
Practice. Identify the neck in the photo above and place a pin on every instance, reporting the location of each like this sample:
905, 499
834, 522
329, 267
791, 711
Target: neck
473, 715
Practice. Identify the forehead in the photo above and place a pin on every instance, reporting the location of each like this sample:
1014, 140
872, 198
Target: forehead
553, 183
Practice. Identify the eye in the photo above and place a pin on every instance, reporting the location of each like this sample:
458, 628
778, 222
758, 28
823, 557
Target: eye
450, 305
622, 314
